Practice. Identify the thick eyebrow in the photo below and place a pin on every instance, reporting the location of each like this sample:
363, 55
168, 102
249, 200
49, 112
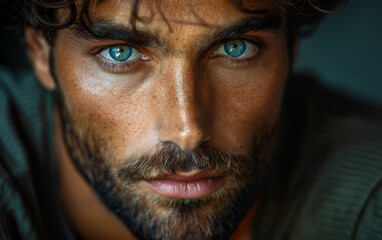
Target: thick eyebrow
262, 20
101, 29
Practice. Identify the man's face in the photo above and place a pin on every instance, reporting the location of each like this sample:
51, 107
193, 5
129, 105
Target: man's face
173, 120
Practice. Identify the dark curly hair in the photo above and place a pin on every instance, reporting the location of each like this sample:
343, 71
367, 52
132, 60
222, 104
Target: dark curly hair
303, 14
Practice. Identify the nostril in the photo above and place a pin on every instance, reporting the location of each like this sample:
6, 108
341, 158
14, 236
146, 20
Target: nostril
187, 137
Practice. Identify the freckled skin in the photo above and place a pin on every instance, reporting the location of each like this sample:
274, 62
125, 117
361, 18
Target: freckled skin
175, 97
182, 94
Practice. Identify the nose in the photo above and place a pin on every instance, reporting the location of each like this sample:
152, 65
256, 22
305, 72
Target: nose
184, 116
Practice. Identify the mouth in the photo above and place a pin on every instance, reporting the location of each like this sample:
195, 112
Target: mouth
185, 185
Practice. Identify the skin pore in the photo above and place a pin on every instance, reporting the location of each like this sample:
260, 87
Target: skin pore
165, 130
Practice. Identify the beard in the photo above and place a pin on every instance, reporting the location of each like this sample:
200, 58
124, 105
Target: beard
152, 216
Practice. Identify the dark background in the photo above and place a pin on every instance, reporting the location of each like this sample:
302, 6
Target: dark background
345, 52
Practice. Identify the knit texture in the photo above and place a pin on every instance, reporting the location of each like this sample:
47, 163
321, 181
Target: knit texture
329, 185
29, 201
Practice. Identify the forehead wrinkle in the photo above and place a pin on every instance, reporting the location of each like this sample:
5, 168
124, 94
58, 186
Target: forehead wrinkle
153, 35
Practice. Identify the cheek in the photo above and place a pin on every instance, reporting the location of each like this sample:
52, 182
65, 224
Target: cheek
248, 102
106, 109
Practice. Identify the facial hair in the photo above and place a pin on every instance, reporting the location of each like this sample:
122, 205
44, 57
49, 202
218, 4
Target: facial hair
151, 216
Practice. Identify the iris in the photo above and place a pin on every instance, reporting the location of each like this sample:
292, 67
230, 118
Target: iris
235, 48
120, 53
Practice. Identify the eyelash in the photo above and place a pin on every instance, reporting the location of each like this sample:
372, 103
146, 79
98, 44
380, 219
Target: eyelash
257, 42
115, 67
122, 67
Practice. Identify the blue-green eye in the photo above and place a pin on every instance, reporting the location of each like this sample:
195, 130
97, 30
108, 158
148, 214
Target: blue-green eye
120, 53
236, 49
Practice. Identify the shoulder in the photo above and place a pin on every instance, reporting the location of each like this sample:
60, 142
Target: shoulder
327, 183
24, 115
24, 140
341, 149
369, 222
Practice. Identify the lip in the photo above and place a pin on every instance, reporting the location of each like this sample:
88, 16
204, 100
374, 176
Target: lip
185, 185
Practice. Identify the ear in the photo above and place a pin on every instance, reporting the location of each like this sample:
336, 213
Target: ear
38, 52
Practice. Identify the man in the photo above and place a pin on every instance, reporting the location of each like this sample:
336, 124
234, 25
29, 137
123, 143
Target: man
178, 120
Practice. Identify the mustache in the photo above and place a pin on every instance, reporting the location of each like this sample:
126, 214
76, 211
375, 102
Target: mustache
170, 159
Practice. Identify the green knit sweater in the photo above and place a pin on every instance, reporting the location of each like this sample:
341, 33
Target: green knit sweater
325, 181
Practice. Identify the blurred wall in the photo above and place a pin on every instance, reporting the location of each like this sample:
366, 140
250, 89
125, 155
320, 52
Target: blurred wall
346, 50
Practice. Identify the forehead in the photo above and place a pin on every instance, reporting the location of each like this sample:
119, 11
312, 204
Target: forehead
167, 15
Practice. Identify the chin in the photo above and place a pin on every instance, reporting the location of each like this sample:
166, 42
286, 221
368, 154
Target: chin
151, 216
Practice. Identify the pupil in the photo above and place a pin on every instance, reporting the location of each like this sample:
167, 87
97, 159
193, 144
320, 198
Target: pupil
235, 48
120, 53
